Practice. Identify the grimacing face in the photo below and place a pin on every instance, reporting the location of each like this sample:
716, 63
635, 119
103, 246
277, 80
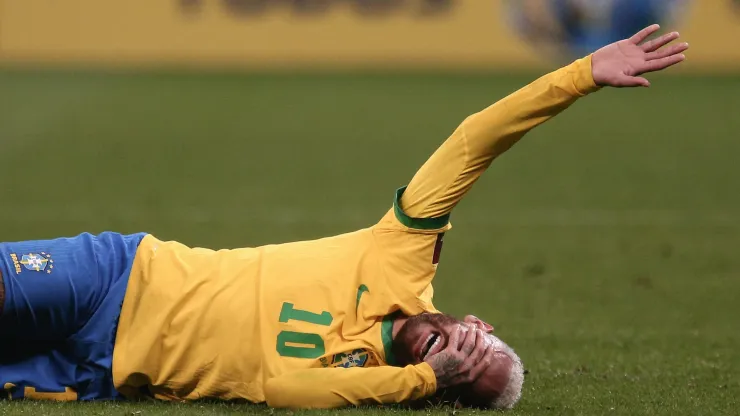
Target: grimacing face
427, 334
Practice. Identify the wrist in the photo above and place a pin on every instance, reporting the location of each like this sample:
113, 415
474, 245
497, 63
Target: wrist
584, 78
429, 378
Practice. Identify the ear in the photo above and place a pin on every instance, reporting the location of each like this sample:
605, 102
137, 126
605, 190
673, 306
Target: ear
475, 321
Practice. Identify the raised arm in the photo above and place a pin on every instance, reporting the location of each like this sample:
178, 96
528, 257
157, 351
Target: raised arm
453, 169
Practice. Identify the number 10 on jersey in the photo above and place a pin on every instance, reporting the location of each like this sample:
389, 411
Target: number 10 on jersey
301, 344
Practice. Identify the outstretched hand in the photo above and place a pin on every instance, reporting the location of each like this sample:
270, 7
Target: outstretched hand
621, 63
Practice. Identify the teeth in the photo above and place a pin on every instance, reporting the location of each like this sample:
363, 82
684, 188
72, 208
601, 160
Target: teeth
424, 345
436, 343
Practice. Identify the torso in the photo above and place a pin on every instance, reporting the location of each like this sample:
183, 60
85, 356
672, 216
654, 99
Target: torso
201, 323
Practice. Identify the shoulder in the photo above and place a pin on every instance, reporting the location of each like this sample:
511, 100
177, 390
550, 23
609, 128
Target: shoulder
396, 219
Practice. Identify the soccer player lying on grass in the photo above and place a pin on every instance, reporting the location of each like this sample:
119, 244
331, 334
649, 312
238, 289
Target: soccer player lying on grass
345, 320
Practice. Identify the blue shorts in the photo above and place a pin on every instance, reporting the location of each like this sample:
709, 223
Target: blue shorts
63, 298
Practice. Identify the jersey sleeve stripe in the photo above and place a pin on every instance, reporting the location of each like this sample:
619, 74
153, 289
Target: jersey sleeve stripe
417, 223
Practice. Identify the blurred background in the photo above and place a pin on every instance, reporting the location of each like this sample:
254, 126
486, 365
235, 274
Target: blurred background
603, 247
358, 34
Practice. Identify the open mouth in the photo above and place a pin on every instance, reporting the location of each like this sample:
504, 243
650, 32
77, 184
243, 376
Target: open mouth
430, 344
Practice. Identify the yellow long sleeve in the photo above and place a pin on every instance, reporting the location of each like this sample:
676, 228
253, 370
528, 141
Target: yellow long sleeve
453, 169
321, 388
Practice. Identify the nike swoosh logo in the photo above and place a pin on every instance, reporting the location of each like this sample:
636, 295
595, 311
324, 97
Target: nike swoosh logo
361, 291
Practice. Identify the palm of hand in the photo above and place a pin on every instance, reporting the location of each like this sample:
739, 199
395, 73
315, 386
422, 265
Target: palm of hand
621, 64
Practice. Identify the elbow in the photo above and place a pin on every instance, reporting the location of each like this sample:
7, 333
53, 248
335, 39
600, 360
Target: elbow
277, 397
281, 395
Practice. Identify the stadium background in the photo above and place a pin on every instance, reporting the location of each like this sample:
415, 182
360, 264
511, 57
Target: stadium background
604, 247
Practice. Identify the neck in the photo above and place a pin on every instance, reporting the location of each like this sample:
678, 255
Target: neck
398, 324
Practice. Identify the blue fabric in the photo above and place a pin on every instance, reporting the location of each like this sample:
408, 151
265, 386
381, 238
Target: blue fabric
624, 18
630, 16
63, 298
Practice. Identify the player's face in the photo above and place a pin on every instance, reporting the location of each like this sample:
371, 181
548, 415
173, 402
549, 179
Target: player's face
426, 334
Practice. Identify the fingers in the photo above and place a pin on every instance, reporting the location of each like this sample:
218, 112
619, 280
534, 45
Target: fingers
484, 362
640, 36
669, 51
640, 82
477, 352
658, 43
452, 346
469, 343
471, 361
662, 63
471, 369
485, 327
479, 323
454, 342
627, 81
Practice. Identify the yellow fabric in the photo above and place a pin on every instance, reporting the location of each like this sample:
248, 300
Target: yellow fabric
322, 388
198, 323
453, 169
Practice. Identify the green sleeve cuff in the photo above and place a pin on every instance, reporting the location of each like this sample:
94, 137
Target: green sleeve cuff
417, 223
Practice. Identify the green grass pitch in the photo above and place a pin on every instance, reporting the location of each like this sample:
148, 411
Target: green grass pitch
605, 247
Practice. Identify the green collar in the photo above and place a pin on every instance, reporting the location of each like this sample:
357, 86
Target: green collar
417, 223
386, 333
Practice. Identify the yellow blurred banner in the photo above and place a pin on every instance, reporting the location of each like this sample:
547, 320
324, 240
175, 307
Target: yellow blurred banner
308, 33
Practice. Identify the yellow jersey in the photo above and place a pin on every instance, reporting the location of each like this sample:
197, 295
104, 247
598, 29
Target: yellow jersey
309, 324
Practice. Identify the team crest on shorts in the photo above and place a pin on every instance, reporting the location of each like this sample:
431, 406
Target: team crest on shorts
35, 262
